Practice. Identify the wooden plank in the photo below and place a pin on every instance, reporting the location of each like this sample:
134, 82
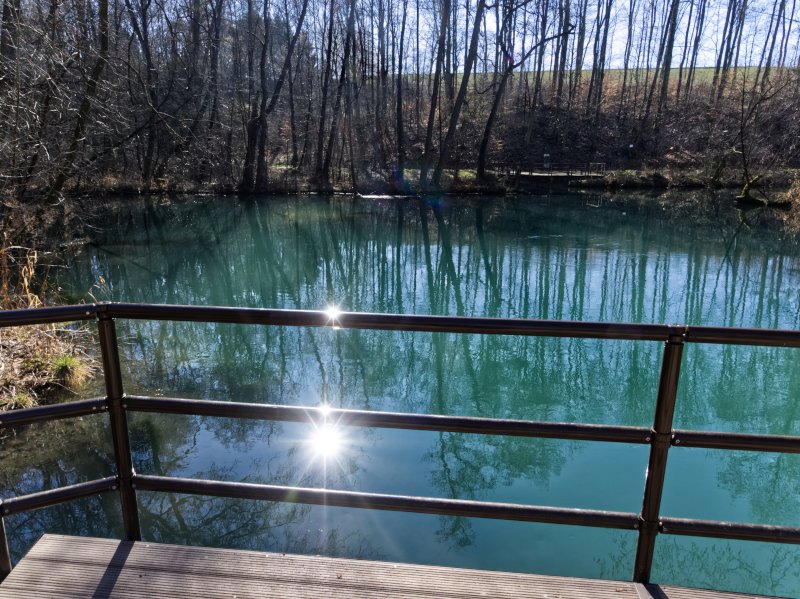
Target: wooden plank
71, 567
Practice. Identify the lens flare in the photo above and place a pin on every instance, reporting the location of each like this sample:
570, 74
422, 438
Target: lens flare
326, 441
333, 313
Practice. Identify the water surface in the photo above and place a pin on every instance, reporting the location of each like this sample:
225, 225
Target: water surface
532, 257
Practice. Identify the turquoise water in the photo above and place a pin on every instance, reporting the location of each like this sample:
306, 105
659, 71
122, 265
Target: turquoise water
533, 257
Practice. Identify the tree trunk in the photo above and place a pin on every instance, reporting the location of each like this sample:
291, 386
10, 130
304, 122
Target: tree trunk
537, 87
325, 175
401, 148
672, 25
257, 127
487, 131
562, 60
626, 58
698, 37
437, 78
9, 40
326, 78
444, 151
89, 94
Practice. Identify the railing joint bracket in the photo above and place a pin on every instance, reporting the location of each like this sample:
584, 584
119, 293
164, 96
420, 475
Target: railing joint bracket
649, 527
660, 439
679, 333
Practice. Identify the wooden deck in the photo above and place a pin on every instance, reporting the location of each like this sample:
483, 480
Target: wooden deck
69, 567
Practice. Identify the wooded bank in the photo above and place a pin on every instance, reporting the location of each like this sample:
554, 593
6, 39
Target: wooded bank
269, 95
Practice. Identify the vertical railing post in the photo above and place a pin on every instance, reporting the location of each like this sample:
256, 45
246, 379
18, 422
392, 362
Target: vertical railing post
5, 554
119, 425
657, 465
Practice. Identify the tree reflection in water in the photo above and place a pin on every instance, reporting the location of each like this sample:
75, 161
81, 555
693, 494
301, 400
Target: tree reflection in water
46, 456
551, 258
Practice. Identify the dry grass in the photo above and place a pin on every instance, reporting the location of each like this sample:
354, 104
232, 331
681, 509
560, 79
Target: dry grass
792, 197
793, 193
37, 363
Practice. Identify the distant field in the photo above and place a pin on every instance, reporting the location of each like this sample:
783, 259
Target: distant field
701, 74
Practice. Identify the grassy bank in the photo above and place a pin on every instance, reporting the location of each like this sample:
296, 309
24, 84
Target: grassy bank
38, 364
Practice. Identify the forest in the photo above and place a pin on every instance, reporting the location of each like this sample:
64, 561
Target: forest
255, 96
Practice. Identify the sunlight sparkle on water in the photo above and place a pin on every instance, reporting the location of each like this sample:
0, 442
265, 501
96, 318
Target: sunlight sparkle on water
326, 440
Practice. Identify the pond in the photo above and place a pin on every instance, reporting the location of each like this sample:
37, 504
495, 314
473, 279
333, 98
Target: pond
550, 257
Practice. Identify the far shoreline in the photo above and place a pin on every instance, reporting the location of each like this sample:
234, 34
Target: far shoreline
461, 182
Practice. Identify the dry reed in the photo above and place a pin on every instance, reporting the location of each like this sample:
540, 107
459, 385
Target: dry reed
37, 363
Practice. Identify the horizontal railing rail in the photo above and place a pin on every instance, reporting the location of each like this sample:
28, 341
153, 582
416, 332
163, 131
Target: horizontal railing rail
660, 437
397, 503
422, 422
403, 322
52, 412
548, 167
35, 501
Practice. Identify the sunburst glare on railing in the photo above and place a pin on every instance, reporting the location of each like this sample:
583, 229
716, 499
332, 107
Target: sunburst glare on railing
326, 439
333, 313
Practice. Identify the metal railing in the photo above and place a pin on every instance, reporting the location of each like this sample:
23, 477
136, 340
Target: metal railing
568, 169
660, 437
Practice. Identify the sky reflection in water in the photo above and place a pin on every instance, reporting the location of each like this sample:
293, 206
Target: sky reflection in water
550, 258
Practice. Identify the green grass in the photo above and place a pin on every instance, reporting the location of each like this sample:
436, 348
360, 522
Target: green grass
17, 401
69, 371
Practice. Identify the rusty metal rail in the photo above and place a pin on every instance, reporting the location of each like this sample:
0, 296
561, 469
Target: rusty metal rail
661, 436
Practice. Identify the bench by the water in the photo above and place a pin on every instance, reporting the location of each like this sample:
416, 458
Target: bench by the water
71, 567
